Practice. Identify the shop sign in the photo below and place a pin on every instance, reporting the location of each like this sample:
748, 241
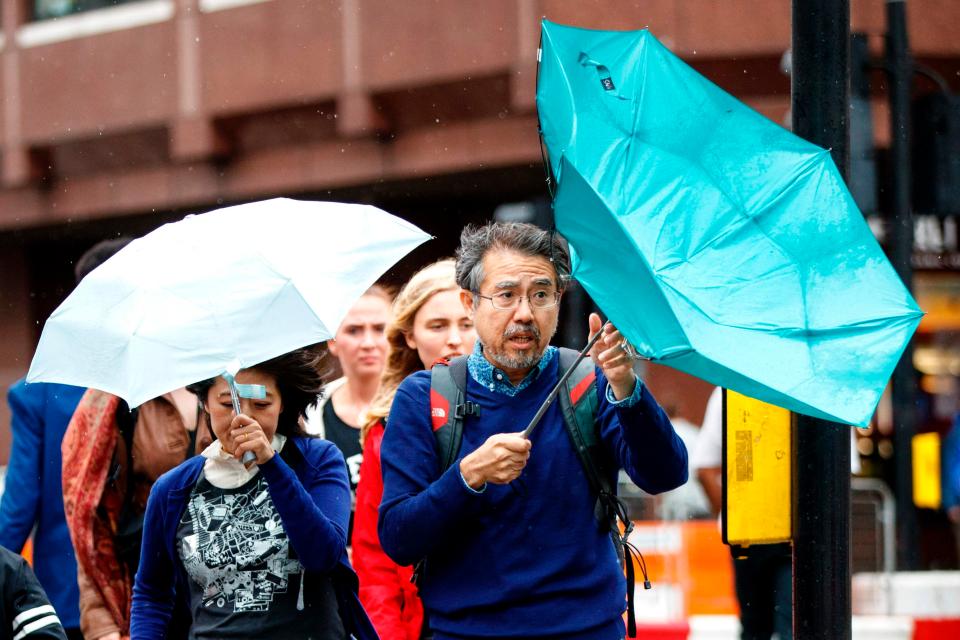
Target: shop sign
935, 240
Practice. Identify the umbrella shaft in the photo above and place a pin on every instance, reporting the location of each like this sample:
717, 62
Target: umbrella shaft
566, 374
249, 456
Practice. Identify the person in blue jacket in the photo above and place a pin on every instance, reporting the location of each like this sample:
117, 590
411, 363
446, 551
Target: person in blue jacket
950, 481
40, 413
33, 495
256, 550
528, 560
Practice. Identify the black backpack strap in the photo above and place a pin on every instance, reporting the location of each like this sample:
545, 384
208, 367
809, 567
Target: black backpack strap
448, 407
579, 404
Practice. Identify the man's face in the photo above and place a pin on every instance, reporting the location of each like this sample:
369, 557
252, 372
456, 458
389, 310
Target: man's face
514, 339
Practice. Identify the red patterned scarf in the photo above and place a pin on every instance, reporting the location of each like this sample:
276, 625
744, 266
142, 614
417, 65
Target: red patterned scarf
88, 448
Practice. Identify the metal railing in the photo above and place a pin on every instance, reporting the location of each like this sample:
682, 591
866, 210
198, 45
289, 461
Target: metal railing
873, 526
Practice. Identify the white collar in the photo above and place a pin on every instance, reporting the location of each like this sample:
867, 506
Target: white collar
224, 471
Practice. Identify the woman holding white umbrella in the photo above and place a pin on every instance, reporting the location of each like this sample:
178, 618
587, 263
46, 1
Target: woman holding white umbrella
197, 300
259, 549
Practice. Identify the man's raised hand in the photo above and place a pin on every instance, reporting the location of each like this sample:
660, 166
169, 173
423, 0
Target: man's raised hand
612, 358
499, 460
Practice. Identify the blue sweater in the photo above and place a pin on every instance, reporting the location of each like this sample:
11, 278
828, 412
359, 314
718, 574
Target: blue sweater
527, 561
34, 494
313, 499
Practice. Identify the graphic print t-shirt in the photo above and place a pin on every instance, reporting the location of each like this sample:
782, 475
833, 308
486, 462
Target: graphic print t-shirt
244, 577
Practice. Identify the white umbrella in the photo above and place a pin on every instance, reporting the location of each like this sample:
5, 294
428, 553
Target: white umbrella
218, 292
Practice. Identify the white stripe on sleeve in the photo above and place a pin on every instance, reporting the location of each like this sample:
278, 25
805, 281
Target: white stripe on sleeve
32, 613
30, 627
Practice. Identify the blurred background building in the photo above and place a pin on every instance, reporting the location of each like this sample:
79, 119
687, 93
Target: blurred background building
119, 115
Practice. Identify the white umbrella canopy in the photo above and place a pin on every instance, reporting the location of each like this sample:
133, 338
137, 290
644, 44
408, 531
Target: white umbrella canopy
218, 292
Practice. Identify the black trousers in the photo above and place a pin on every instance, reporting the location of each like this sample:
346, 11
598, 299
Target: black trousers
764, 583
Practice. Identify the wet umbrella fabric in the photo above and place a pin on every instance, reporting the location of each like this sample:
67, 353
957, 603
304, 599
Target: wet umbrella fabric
719, 243
217, 292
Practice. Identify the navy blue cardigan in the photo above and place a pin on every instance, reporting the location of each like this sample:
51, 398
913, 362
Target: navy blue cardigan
312, 496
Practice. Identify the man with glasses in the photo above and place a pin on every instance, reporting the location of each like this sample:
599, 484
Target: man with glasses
501, 557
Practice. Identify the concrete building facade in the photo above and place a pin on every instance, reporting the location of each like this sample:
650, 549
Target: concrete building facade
117, 119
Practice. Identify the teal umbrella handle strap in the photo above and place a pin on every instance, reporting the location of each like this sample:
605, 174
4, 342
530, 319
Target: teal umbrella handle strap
556, 390
253, 391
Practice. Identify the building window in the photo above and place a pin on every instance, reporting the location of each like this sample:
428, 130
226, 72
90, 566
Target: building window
45, 9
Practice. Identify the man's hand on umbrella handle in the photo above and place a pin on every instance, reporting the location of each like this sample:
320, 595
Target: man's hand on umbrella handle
613, 359
248, 435
499, 460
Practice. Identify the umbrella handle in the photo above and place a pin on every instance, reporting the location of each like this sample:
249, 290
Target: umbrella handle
249, 456
556, 390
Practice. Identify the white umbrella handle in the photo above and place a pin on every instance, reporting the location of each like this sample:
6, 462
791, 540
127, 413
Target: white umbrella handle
249, 456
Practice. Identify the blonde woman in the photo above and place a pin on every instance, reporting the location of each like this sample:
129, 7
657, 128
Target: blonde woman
360, 346
429, 322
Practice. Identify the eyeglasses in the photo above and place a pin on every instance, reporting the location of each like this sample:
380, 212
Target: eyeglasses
508, 300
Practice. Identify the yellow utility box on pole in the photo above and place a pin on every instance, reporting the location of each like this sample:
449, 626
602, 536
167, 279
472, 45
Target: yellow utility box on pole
757, 458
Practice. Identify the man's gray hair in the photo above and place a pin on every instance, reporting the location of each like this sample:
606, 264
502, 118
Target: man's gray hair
523, 238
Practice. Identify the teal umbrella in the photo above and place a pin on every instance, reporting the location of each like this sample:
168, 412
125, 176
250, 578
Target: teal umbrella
719, 243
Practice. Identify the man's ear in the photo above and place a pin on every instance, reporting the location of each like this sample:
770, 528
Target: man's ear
466, 299
332, 348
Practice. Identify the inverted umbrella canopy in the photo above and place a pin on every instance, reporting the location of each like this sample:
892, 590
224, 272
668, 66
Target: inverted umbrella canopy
719, 243
217, 292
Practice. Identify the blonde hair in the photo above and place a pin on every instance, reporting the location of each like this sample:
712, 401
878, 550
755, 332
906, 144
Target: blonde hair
401, 359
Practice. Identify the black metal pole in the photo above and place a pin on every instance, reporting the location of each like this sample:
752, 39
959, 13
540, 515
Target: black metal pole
900, 74
821, 542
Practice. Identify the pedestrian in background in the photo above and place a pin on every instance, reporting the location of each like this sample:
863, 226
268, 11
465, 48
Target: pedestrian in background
762, 573
25, 611
360, 346
111, 458
428, 323
33, 500
689, 501
951, 478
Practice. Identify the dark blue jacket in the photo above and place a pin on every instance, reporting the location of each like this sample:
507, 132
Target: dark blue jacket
34, 493
529, 559
951, 466
312, 496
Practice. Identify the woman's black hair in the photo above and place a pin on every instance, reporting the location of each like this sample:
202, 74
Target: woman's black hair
300, 378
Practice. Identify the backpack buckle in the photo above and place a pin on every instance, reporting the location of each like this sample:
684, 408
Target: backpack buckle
468, 408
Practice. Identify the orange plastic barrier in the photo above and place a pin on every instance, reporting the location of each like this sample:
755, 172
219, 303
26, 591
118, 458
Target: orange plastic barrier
690, 569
